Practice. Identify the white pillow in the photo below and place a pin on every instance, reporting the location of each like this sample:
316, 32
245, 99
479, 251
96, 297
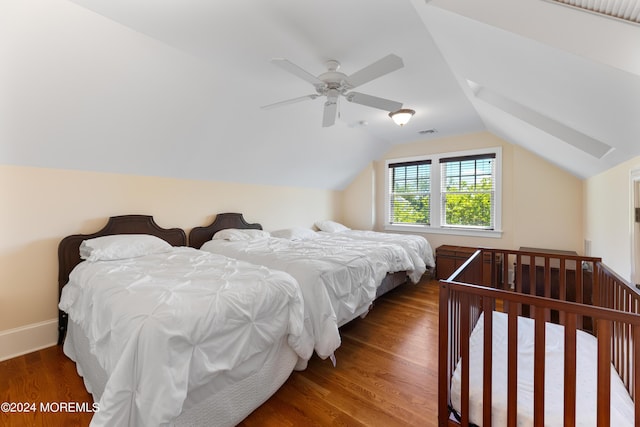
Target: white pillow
331, 226
122, 246
237, 234
295, 233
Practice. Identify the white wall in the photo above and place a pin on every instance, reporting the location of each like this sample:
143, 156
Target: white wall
608, 208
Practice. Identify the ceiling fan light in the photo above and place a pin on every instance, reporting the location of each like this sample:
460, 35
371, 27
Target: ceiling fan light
402, 116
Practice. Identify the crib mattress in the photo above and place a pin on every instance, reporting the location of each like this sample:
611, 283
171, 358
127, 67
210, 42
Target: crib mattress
622, 409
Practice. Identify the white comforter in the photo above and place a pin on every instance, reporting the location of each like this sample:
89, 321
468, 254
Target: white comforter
338, 283
165, 324
417, 247
586, 371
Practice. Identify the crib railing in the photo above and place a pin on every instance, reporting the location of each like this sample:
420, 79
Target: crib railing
553, 275
577, 292
615, 293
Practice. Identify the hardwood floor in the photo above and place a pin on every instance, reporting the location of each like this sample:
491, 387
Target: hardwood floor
43, 377
386, 375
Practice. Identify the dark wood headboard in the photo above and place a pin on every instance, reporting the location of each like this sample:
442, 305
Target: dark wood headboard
69, 248
200, 235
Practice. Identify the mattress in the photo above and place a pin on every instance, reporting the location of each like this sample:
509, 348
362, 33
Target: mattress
225, 401
167, 326
338, 283
417, 248
622, 410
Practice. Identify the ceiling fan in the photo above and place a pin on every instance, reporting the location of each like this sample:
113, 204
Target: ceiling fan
333, 84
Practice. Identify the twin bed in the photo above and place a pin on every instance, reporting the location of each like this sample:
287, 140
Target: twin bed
417, 247
163, 333
339, 279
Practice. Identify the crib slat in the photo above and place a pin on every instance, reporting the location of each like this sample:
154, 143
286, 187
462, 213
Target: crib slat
570, 349
505, 271
519, 273
538, 367
547, 287
464, 354
487, 373
604, 373
628, 338
636, 373
579, 293
532, 275
456, 328
518, 279
444, 358
512, 367
596, 299
562, 276
618, 336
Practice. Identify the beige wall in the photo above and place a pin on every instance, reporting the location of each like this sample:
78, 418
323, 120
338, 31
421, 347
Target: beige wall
608, 207
547, 204
41, 206
358, 208
541, 204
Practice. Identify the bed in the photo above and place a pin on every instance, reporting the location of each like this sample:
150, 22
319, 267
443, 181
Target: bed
163, 334
417, 247
339, 282
529, 370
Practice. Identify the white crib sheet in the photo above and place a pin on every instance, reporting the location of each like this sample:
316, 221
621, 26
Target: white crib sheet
622, 409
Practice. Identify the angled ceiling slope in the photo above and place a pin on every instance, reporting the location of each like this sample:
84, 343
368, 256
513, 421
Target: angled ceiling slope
568, 90
174, 88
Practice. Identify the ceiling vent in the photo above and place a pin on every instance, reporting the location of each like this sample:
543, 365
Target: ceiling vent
427, 131
627, 10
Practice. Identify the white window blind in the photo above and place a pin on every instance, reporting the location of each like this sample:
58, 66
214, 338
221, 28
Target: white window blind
410, 192
468, 185
628, 10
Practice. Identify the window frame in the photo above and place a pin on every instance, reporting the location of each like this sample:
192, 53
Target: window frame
435, 197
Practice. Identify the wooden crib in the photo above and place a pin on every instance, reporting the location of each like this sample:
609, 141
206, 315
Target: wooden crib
577, 292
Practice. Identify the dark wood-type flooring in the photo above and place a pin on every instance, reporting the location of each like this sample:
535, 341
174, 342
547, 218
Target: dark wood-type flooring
386, 375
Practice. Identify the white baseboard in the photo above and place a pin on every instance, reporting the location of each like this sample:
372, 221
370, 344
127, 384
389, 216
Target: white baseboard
26, 339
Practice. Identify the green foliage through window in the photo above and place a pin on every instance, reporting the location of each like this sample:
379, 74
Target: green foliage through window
468, 191
463, 207
410, 192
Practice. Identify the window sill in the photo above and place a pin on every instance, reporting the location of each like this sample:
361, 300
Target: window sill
494, 234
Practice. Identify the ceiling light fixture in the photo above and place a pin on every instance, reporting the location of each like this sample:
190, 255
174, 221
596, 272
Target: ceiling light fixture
402, 116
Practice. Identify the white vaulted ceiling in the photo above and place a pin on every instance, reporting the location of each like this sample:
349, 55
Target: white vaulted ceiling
558, 81
173, 87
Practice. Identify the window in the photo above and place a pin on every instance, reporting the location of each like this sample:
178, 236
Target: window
467, 191
410, 192
455, 193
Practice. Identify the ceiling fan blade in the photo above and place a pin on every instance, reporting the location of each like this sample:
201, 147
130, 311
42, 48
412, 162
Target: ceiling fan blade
330, 110
295, 70
290, 101
373, 101
379, 68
